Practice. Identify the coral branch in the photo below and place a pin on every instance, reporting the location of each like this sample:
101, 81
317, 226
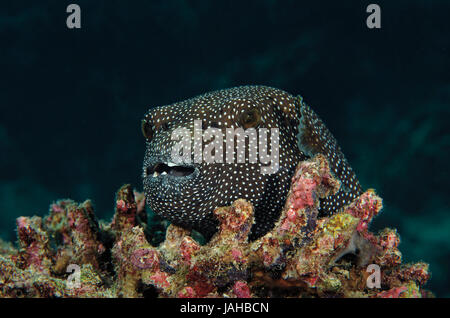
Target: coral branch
302, 256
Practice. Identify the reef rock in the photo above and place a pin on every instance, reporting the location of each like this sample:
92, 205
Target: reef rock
70, 253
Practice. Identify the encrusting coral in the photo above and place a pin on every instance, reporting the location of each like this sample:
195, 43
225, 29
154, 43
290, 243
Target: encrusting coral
71, 254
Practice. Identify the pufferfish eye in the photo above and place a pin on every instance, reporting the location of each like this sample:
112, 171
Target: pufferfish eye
250, 118
147, 130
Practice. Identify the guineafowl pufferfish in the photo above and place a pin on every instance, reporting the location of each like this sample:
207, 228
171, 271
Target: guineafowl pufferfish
187, 193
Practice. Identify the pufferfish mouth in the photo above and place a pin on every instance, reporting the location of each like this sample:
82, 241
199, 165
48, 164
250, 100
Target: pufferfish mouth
162, 169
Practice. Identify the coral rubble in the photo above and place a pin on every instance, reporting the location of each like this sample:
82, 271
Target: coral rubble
71, 254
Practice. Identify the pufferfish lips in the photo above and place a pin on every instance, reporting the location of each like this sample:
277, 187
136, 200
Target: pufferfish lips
187, 193
162, 169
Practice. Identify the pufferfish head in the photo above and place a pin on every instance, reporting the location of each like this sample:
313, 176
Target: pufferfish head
186, 193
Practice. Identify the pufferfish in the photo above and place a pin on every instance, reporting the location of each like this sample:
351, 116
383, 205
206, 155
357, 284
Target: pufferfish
187, 193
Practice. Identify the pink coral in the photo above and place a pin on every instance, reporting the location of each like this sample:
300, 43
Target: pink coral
302, 256
241, 290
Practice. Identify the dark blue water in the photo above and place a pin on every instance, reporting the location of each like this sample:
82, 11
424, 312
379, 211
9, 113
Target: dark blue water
71, 100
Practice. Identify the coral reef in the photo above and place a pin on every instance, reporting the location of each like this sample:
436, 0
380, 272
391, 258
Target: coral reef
71, 254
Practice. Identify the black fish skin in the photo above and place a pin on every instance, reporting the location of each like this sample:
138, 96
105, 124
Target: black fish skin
189, 201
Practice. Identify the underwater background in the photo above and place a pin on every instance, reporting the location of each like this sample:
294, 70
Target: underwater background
71, 100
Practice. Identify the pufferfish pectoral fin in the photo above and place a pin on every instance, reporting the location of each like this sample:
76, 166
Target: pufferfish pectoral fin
314, 138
